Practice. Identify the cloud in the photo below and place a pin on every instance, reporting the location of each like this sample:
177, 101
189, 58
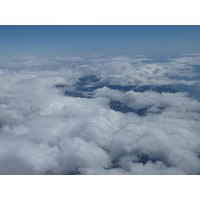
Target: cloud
188, 59
98, 115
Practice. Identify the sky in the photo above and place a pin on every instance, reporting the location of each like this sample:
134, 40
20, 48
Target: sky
107, 40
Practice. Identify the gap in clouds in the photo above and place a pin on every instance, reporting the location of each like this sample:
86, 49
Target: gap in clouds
85, 87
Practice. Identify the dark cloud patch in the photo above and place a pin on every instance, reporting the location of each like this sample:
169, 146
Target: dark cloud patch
60, 85
74, 173
118, 106
88, 79
74, 94
138, 157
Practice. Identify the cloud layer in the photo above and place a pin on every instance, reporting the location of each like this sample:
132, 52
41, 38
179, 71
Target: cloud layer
98, 115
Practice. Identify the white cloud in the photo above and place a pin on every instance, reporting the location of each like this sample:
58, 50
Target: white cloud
190, 59
44, 131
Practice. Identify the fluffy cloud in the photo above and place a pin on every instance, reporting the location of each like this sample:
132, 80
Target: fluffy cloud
98, 115
191, 59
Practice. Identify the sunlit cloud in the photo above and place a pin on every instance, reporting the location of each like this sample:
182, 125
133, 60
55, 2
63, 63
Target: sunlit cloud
98, 115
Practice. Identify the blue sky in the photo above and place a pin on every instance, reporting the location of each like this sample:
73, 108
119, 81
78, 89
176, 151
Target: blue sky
105, 40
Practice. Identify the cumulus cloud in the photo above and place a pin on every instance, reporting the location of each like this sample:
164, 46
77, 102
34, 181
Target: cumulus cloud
191, 59
98, 115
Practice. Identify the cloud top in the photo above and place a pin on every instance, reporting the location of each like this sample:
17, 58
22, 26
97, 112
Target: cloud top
98, 115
